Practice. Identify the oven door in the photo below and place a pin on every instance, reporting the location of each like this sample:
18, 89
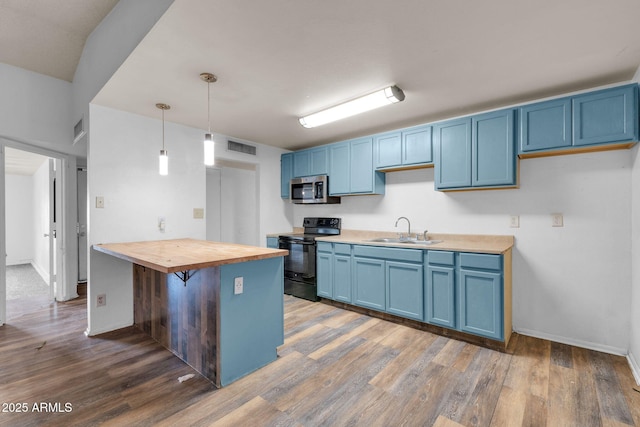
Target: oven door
300, 264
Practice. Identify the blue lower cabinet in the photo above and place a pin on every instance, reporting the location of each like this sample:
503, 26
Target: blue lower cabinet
272, 242
405, 290
440, 296
481, 306
324, 274
342, 278
369, 283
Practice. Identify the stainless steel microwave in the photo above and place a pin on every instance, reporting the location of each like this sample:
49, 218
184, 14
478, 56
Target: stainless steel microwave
311, 189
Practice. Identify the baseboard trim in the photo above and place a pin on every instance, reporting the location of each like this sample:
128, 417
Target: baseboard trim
41, 272
578, 343
635, 368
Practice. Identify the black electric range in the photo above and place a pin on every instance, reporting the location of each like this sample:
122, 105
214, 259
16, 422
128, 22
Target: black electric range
300, 264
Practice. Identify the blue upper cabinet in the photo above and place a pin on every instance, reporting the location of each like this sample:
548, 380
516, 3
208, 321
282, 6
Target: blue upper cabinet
388, 147
598, 120
453, 154
351, 169
314, 161
409, 148
476, 151
493, 150
545, 125
286, 173
606, 116
339, 168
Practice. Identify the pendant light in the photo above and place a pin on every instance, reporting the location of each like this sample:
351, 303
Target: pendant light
209, 145
164, 157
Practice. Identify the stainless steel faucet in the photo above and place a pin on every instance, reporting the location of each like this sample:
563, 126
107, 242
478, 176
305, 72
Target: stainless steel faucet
408, 225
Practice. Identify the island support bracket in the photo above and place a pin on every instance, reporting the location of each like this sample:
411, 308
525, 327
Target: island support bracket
184, 276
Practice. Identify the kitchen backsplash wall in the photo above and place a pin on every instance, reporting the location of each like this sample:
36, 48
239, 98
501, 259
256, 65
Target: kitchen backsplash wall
571, 284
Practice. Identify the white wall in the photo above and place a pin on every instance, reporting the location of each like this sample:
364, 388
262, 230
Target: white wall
634, 345
40, 221
570, 284
123, 168
19, 217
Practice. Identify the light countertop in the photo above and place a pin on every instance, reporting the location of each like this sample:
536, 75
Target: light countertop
480, 243
170, 256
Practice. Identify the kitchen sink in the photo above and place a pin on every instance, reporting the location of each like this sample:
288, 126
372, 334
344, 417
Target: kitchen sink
404, 241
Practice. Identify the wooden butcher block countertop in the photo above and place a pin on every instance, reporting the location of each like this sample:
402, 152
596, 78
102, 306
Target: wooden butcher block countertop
170, 256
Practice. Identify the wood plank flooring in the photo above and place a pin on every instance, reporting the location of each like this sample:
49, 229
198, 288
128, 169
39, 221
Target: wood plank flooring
336, 368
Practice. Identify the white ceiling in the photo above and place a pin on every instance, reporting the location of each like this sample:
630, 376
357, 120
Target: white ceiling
280, 59
19, 162
48, 36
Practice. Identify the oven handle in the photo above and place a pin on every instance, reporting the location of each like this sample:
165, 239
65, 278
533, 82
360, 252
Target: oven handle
296, 242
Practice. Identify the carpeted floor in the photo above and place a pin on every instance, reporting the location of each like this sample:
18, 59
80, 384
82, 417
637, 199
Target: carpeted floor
24, 281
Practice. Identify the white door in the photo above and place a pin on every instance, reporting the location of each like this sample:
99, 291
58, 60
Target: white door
82, 225
52, 228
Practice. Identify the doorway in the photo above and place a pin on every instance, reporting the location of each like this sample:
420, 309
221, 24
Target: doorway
232, 212
31, 199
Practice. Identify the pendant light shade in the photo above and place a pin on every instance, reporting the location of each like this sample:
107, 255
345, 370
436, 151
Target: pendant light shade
163, 163
209, 144
209, 150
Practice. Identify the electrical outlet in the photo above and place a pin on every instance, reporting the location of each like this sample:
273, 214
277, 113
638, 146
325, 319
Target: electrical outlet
238, 285
101, 301
515, 221
99, 202
161, 223
557, 220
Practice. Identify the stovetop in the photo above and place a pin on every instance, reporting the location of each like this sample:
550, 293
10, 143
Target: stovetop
314, 227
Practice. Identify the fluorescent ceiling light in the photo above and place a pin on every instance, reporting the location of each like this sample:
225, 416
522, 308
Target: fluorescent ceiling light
386, 96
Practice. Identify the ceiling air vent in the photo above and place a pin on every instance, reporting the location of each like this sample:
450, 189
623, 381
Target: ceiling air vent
241, 148
78, 131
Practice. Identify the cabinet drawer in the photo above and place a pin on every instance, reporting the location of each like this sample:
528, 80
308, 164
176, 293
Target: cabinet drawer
482, 261
441, 257
325, 247
397, 254
342, 248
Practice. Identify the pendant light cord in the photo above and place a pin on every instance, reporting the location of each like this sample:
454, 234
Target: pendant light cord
209, 104
163, 129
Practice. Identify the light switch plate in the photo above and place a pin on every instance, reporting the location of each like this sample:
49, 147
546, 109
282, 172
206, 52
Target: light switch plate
99, 202
198, 213
557, 220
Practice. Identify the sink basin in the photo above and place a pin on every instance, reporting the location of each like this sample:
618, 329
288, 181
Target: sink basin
408, 242
422, 242
387, 240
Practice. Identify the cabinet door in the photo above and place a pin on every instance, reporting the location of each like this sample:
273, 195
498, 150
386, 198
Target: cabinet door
362, 166
388, 149
319, 161
440, 296
339, 168
368, 283
301, 163
545, 125
493, 149
286, 171
417, 146
605, 116
342, 278
405, 289
324, 274
453, 154
481, 303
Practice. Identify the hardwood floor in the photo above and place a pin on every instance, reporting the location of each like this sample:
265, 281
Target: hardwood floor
336, 368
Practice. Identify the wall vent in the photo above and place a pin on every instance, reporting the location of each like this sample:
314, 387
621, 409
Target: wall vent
241, 148
78, 131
